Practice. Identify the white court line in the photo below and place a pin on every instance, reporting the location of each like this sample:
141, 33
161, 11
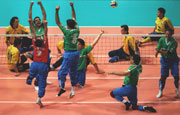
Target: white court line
84, 102
88, 78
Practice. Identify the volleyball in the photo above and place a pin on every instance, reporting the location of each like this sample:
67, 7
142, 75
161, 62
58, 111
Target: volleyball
113, 3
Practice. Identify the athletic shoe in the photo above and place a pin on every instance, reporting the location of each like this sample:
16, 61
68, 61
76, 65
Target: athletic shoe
39, 102
127, 104
71, 95
150, 109
80, 86
61, 92
114, 59
159, 95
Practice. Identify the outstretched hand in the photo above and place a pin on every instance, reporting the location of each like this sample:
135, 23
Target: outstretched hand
71, 3
102, 31
39, 2
29, 20
58, 7
32, 3
44, 21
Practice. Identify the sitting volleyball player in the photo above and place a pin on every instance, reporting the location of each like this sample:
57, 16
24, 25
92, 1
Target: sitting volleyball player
39, 67
162, 23
128, 49
15, 60
81, 71
89, 58
129, 88
167, 46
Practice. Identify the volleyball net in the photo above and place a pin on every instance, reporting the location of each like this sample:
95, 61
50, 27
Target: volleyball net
108, 42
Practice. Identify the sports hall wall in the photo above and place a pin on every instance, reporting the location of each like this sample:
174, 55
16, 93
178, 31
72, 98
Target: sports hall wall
94, 12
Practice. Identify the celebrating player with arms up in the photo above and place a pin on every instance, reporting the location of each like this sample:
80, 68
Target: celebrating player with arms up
71, 55
39, 67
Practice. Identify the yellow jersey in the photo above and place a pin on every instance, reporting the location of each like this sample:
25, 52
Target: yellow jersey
60, 45
13, 56
128, 41
19, 30
163, 24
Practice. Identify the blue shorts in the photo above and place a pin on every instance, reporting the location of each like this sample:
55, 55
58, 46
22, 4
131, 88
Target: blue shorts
129, 91
169, 64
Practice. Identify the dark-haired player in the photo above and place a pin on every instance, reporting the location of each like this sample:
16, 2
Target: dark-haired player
40, 66
169, 61
71, 55
37, 24
129, 88
161, 24
81, 71
15, 60
128, 49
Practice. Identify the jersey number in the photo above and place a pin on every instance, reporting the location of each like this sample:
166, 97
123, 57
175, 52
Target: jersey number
74, 38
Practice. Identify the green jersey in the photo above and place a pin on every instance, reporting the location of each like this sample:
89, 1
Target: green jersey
39, 32
135, 71
170, 47
82, 59
70, 38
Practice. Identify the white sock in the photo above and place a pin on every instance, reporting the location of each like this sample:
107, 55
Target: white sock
124, 101
159, 94
177, 92
38, 100
72, 89
29, 64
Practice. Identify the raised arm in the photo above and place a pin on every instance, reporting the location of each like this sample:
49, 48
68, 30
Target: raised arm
32, 27
73, 11
97, 39
43, 10
57, 16
30, 10
45, 28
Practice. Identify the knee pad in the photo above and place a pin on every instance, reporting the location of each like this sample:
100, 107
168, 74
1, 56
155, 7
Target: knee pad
112, 95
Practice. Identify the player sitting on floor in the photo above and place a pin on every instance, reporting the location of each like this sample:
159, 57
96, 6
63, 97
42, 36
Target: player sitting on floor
15, 60
128, 49
81, 71
89, 58
162, 23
